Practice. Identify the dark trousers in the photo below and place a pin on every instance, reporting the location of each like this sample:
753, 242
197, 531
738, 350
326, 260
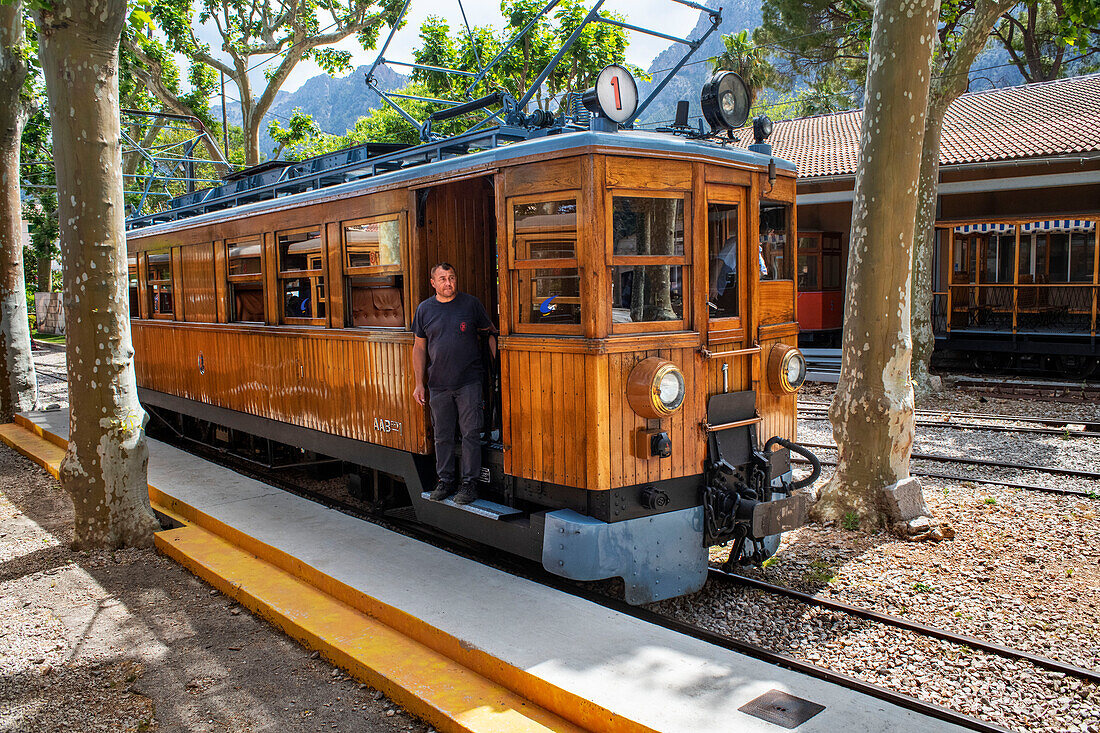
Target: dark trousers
460, 406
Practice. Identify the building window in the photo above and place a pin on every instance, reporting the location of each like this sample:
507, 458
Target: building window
372, 264
1082, 253
819, 259
159, 280
648, 263
775, 241
246, 284
546, 285
132, 277
724, 251
301, 276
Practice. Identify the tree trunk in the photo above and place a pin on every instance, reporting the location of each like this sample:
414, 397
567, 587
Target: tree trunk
18, 384
950, 83
104, 469
872, 412
924, 241
251, 125
44, 273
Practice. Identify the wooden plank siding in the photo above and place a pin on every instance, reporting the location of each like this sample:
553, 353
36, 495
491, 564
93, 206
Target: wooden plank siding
336, 383
566, 419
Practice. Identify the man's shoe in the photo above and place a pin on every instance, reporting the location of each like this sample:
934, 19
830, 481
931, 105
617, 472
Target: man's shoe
442, 491
467, 494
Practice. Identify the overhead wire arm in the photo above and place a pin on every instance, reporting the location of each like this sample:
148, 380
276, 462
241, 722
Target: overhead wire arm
647, 31
713, 13
693, 46
471, 106
515, 39
593, 13
380, 59
425, 67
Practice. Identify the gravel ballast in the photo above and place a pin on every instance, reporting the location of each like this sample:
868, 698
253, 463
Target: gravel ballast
1023, 571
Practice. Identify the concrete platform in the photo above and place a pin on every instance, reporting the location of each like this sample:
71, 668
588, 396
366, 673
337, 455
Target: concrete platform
559, 662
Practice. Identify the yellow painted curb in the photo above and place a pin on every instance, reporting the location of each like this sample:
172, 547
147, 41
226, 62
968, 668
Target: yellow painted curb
32, 445
437, 689
42, 447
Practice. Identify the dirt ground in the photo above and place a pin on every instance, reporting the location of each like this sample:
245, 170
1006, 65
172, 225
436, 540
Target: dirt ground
130, 641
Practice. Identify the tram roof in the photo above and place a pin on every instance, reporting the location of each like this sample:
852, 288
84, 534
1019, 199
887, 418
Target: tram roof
626, 140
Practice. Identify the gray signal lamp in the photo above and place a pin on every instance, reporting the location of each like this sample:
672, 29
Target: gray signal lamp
725, 101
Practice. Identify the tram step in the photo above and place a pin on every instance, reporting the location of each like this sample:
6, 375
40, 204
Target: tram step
482, 507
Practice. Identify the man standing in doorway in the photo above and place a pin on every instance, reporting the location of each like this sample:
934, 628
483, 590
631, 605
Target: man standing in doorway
447, 361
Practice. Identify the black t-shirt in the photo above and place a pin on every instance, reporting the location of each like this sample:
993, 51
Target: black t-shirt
451, 328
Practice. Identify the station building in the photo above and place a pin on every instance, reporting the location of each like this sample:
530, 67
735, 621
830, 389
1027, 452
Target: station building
1017, 243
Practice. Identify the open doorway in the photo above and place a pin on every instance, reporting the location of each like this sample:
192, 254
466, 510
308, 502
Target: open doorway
457, 224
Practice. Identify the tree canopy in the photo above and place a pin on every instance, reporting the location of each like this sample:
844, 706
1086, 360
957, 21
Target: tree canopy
598, 45
282, 32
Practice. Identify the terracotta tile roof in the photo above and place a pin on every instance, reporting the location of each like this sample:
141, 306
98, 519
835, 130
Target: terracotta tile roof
1034, 120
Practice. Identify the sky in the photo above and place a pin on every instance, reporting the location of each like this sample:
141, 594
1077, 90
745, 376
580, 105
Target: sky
663, 15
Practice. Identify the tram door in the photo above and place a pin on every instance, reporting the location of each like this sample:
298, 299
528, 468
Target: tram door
457, 224
728, 256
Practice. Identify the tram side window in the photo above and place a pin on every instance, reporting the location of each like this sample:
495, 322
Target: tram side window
132, 276
724, 251
372, 264
246, 283
301, 276
546, 283
775, 241
648, 263
159, 280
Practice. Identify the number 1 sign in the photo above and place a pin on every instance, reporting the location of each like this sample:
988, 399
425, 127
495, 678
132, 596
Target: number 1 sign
615, 95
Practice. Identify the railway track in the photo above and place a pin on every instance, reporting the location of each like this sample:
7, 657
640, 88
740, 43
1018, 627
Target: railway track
948, 415
599, 593
1058, 428
1055, 470
903, 623
976, 480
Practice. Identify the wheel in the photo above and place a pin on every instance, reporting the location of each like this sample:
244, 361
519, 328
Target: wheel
1078, 366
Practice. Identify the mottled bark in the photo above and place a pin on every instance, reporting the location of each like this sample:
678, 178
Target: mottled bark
104, 469
949, 83
924, 235
43, 271
18, 385
872, 412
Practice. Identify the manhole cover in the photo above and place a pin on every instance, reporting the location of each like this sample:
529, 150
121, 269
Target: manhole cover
782, 708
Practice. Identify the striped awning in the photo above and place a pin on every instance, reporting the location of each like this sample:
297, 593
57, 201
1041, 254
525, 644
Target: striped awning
986, 228
1060, 225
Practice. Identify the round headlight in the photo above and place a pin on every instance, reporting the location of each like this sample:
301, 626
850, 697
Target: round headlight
786, 368
655, 388
670, 389
725, 101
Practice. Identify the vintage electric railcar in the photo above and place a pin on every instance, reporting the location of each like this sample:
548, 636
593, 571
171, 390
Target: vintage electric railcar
643, 289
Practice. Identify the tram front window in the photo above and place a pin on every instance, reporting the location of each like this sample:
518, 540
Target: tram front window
648, 262
723, 296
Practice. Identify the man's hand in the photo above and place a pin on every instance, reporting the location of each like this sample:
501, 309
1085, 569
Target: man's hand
420, 368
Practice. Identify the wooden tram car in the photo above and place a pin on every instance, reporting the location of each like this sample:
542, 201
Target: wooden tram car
646, 350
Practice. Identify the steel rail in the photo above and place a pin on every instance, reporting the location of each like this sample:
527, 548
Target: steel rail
973, 480
977, 426
983, 462
1055, 421
903, 623
536, 573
